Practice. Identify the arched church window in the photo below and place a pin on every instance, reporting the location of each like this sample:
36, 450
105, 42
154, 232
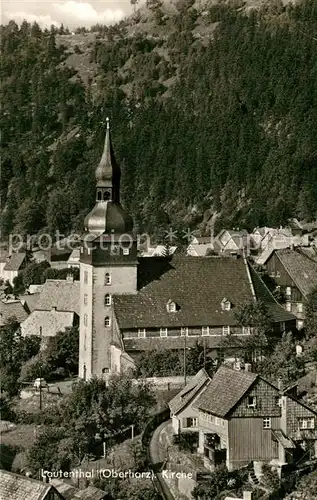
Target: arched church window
107, 300
99, 196
107, 321
107, 279
85, 372
106, 196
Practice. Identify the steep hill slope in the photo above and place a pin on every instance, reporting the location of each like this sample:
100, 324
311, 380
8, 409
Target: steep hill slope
213, 106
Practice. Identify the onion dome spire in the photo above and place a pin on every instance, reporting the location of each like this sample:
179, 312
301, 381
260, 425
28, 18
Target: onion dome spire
108, 215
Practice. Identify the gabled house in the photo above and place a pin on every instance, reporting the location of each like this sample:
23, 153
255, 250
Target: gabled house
51, 322
296, 275
17, 487
232, 241
186, 300
15, 263
243, 418
12, 309
60, 294
183, 412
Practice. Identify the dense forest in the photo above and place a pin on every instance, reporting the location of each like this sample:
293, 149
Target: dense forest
213, 109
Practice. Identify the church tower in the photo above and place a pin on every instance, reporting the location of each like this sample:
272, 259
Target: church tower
108, 267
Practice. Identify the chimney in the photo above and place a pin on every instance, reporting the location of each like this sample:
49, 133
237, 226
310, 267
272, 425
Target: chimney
247, 495
53, 308
247, 367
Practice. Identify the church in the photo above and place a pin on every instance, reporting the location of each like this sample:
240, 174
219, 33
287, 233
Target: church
131, 304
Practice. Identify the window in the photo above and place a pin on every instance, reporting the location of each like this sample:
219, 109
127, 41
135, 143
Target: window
141, 332
190, 422
107, 321
288, 306
85, 319
225, 305
184, 331
85, 299
300, 324
246, 330
107, 300
205, 330
225, 330
163, 332
283, 326
107, 279
126, 251
171, 306
300, 307
288, 291
251, 402
267, 423
86, 277
278, 274
85, 341
306, 423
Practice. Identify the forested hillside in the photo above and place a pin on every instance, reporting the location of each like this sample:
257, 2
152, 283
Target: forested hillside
213, 108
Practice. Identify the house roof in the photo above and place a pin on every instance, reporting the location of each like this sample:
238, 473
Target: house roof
16, 487
158, 251
15, 261
275, 310
65, 489
199, 250
189, 391
300, 268
12, 308
158, 343
62, 294
51, 322
196, 284
74, 256
225, 390
30, 300
90, 493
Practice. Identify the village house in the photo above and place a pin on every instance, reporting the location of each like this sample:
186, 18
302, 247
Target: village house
49, 323
17, 487
12, 309
129, 304
184, 415
232, 241
13, 265
243, 418
295, 273
200, 246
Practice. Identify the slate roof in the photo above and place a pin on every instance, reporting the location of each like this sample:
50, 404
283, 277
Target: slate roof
65, 489
62, 294
196, 284
30, 300
51, 322
16, 487
15, 261
276, 311
90, 493
189, 391
225, 390
158, 343
300, 268
11, 309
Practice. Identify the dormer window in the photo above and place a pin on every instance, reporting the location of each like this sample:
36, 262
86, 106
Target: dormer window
225, 304
171, 306
107, 279
107, 300
251, 402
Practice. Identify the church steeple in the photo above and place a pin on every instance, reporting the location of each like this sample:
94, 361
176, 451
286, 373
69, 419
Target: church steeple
108, 216
108, 173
